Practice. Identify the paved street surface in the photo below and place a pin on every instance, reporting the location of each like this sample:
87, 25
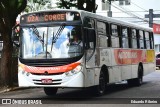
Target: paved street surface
116, 93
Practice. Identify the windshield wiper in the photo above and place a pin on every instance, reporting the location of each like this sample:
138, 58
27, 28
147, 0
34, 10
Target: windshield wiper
35, 31
55, 37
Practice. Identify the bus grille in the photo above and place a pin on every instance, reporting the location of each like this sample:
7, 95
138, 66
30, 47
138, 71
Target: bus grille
47, 84
47, 74
54, 82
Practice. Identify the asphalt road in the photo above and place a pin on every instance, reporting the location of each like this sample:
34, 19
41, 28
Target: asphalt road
119, 93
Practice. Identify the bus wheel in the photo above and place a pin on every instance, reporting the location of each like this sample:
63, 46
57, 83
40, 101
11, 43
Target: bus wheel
100, 89
137, 81
50, 91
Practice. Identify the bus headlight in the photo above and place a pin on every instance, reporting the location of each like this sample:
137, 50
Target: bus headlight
74, 71
25, 73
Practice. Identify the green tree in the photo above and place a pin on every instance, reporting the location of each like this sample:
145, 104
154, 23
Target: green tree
87, 5
36, 5
9, 10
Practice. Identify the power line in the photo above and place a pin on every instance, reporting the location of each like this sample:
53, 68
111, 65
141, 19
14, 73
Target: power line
124, 17
156, 11
138, 11
129, 10
131, 18
129, 13
145, 9
140, 7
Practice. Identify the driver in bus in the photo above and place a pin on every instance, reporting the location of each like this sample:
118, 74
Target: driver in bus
75, 38
76, 41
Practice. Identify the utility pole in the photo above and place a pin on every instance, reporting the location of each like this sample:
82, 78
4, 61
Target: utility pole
151, 16
109, 13
94, 8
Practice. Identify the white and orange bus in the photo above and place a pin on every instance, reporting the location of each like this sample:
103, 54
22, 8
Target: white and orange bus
106, 51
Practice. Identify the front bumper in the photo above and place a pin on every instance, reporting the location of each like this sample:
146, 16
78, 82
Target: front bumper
60, 80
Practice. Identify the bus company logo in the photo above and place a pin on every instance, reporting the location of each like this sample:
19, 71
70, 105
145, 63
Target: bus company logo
129, 55
49, 68
32, 68
37, 69
6, 101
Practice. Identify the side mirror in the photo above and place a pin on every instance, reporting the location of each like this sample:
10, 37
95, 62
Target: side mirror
90, 36
15, 35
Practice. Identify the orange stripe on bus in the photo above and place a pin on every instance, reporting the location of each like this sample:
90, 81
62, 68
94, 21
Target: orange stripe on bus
58, 69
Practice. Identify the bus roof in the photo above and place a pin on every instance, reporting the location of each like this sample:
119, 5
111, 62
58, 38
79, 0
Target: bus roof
114, 21
99, 17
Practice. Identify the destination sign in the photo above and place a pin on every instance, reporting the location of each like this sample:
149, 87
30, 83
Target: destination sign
49, 17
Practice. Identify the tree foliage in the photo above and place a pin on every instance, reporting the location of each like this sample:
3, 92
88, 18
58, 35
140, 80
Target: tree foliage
36, 5
9, 10
87, 5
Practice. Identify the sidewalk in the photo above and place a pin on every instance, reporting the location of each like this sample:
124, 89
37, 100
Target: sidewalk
5, 89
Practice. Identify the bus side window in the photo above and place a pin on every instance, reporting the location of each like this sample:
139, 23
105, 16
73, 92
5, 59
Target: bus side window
141, 39
89, 23
114, 36
151, 40
147, 41
102, 36
89, 29
125, 39
134, 38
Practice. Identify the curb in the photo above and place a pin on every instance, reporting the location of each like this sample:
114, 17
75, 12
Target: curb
13, 89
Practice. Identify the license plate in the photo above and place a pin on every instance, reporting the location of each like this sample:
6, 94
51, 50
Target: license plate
46, 81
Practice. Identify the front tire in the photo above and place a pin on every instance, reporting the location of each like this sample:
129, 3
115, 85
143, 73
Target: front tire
50, 91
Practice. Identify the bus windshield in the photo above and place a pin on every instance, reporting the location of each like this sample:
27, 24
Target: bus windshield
51, 42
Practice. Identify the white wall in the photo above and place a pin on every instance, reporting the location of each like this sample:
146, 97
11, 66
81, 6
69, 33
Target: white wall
156, 39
